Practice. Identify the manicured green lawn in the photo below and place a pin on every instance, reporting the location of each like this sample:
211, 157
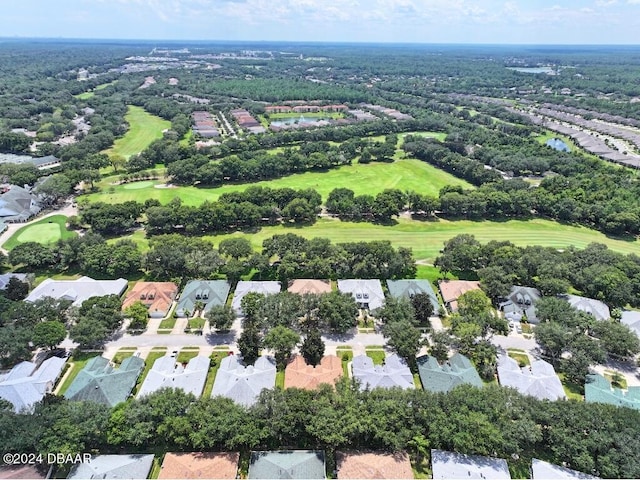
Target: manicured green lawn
144, 128
417, 381
519, 356
437, 135
431, 273
187, 354
91, 93
186, 139
197, 322
85, 95
48, 230
571, 390
79, 360
376, 354
371, 179
216, 358
122, 354
138, 237
620, 380
280, 379
346, 355
427, 238
167, 323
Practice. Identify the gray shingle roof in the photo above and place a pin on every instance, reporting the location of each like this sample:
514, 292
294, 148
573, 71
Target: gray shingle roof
25, 385
458, 370
457, 466
548, 471
539, 380
244, 287
409, 288
598, 389
304, 464
17, 204
99, 382
598, 309
114, 466
5, 277
632, 320
77, 290
209, 292
394, 373
244, 384
521, 301
364, 292
166, 373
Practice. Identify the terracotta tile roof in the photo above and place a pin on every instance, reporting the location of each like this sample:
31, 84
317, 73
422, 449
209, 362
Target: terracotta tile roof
302, 286
300, 375
200, 465
451, 290
157, 296
373, 465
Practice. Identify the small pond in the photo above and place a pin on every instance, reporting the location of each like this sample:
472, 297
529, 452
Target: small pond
558, 144
300, 119
547, 70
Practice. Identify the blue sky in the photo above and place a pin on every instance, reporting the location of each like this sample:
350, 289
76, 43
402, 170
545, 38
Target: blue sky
422, 21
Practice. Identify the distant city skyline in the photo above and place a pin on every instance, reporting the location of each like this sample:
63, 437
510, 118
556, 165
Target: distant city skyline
378, 21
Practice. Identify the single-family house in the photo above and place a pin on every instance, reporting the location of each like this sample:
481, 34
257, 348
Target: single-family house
287, 464
368, 294
42, 163
520, 304
113, 466
541, 470
156, 296
244, 287
302, 286
365, 465
595, 308
167, 373
299, 374
458, 466
394, 373
26, 384
458, 370
207, 292
5, 278
241, 383
409, 288
451, 290
632, 320
17, 204
99, 382
77, 290
598, 389
538, 380
197, 465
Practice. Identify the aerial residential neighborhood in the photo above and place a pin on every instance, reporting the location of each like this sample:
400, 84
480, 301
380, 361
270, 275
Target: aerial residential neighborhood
310, 240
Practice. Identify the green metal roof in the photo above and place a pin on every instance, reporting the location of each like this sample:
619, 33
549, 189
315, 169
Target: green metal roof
209, 292
99, 382
598, 389
408, 288
287, 464
458, 370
